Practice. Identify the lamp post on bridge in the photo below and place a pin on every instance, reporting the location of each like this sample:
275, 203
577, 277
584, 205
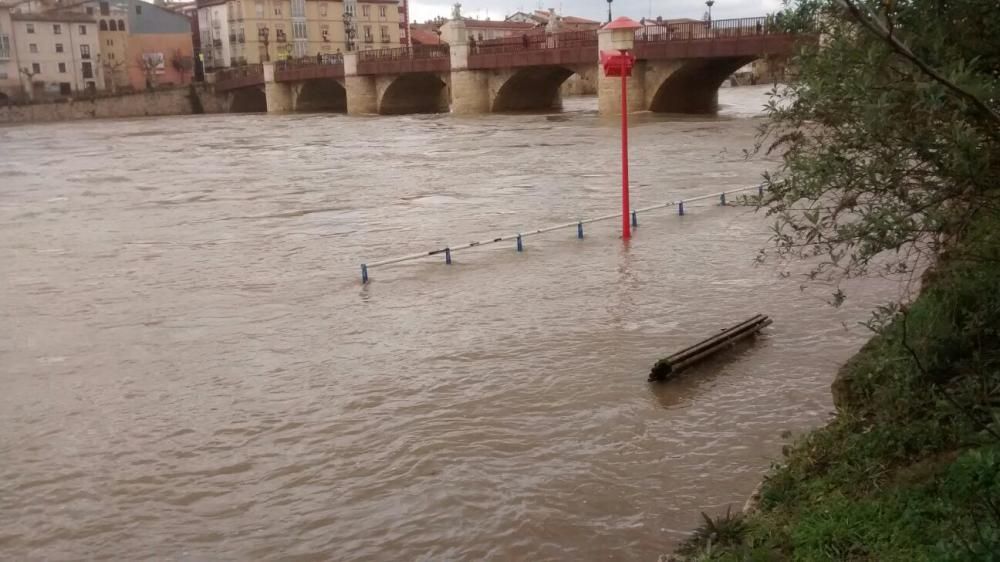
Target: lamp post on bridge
710, 3
609, 11
619, 62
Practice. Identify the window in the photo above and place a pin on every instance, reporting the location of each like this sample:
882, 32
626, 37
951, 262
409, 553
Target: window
29, 27
277, 8
348, 10
138, 8
36, 68
57, 29
324, 32
322, 9
298, 8
32, 47
113, 26
121, 25
111, 43
84, 51
299, 30
62, 67
88, 70
279, 34
59, 47
91, 86
103, 26
366, 11
385, 34
4, 46
259, 8
381, 11
368, 34
65, 88
83, 30
105, 8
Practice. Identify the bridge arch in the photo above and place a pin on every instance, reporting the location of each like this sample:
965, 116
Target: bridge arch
694, 86
248, 100
531, 89
322, 94
420, 92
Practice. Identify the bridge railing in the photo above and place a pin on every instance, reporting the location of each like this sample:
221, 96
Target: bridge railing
306, 68
304, 62
404, 53
534, 41
715, 29
239, 76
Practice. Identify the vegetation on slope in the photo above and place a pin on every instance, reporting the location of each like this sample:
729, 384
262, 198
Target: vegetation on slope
891, 153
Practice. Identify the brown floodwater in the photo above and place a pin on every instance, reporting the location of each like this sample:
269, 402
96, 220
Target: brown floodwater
191, 369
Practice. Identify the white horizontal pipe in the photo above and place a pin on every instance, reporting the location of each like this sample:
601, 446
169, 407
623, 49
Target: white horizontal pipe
509, 237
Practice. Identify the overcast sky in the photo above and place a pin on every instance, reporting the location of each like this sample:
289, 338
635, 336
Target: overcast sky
422, 10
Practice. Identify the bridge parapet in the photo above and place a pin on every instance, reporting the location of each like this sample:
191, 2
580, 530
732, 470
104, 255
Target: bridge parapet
309, 69
404, 60
571, 47
239, 77
738, 37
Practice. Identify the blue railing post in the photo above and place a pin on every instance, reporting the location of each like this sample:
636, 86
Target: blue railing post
635, 219
680, 208
520, 245
364, 273
722, 199
579, 229
447, 256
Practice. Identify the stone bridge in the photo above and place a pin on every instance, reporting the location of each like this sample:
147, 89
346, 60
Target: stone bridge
679, 69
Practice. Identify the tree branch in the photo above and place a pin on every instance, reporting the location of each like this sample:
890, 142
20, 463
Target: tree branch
885, 35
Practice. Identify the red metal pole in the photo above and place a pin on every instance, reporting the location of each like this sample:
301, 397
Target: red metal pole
626, 227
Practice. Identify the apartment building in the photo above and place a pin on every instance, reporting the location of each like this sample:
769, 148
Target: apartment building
58, 52
235, 32
10, 83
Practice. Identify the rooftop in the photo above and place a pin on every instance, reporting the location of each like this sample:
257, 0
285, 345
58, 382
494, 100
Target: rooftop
54, 16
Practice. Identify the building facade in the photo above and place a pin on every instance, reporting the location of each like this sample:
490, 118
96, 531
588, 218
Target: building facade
481, 30
58, 53
10, 83
235, 32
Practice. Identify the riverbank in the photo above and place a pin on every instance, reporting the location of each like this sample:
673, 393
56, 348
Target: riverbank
186, 100
910, 467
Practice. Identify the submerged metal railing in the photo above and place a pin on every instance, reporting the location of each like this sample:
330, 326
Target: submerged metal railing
519, 237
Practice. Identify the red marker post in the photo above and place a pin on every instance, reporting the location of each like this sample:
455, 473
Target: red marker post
620, 63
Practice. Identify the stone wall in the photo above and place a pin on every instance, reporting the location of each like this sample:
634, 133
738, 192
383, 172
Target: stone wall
176, 101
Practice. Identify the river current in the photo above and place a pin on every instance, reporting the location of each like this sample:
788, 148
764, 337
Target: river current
192, 370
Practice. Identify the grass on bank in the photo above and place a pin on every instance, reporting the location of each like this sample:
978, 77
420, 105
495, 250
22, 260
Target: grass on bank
910, 467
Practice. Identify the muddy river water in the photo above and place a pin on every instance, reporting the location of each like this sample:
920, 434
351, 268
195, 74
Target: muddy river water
191, 369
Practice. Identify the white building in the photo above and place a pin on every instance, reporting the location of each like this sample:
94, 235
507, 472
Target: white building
58, 53
10, 83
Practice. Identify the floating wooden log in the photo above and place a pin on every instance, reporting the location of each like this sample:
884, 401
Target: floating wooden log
669, 366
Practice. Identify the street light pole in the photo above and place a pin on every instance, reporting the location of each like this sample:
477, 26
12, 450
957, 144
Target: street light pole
626, 227
609, 11
709, 3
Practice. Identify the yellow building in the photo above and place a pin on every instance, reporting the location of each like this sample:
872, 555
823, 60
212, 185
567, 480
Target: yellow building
235, 32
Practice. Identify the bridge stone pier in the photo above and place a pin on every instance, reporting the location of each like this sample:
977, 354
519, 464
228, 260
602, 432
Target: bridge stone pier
679, 69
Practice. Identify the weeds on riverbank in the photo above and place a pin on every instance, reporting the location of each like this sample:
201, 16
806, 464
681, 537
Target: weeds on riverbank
910, 468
